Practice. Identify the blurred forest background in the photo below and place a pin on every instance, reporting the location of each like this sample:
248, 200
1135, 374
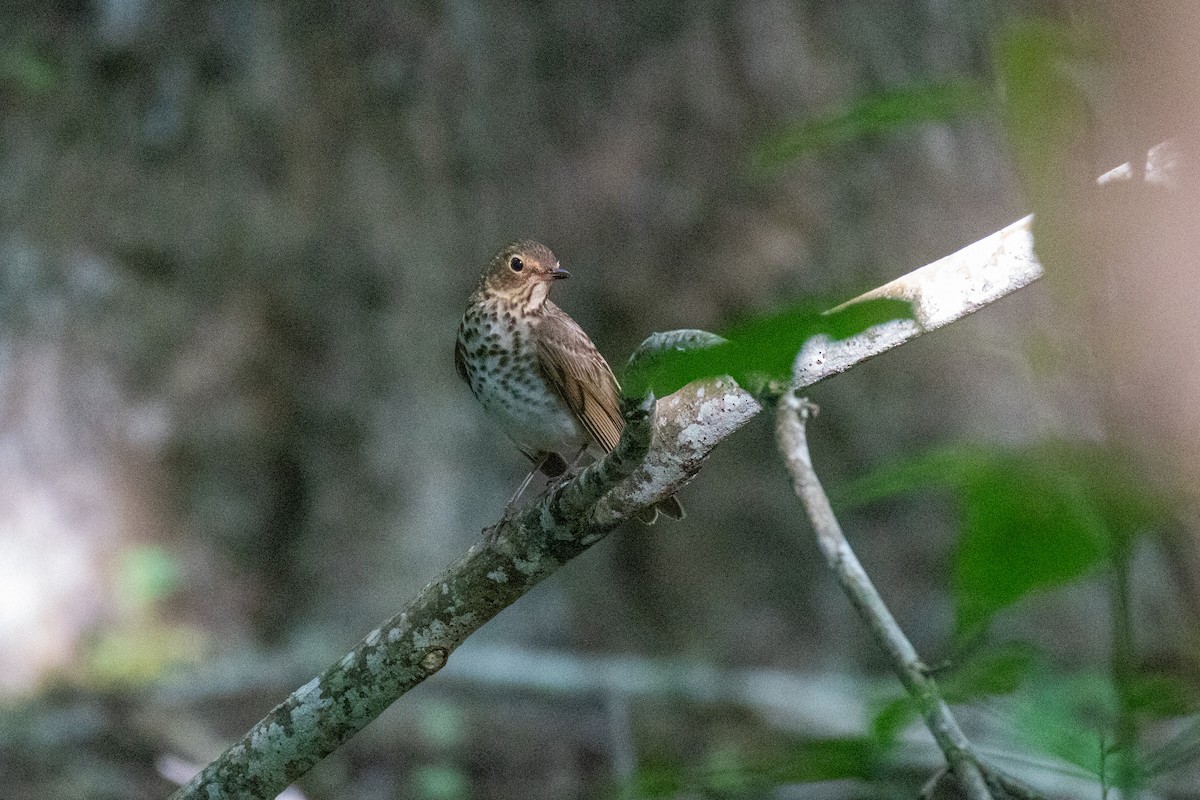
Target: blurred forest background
236, 239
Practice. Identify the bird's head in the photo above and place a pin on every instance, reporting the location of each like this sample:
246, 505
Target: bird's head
522, 273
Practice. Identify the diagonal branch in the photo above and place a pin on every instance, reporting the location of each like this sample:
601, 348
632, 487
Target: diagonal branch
651, 462
792, 413
942, 292
414, 644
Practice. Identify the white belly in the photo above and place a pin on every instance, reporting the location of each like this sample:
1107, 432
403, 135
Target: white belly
535, 425
511, 389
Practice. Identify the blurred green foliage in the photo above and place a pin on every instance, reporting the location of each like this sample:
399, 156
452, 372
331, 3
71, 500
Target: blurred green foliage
1042, 67
759, 350
1073, 716
24, 69
148, 573
879, 114
731, 773
139, 654
1068, 716
440, 782
1048, 73
997, 670
1032, 519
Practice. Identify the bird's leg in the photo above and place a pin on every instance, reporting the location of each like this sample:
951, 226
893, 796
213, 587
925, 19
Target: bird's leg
571, 471
553, 466
510, 508
512, 501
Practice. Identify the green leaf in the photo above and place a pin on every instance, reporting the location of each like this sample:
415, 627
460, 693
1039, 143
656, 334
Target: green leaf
946, 467
1026, 526
1073, 717
891, 720
731, 772
1031, 519
999, 670
1160, 696
1046, 516
873, 116
658, 344
829, 760
659, 779
759, 350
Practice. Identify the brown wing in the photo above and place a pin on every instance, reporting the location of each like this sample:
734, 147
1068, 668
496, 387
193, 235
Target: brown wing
575, 368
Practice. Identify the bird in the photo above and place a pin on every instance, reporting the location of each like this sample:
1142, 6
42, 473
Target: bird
535, 371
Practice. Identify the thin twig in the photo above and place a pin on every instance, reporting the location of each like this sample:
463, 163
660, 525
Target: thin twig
1124, 674
791, 416
929, 790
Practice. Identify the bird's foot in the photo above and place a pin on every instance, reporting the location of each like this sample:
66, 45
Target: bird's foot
492, 532
562, 480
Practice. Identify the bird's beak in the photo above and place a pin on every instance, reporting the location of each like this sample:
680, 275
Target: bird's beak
558, 272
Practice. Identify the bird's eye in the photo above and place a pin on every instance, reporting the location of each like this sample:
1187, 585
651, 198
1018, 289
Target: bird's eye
516, 263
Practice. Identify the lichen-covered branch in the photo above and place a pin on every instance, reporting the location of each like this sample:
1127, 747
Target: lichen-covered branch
942, 292
651, 462
792, 413
408, 648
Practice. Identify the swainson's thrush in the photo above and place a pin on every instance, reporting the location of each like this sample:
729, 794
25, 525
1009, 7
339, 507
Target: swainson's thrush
535, 371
